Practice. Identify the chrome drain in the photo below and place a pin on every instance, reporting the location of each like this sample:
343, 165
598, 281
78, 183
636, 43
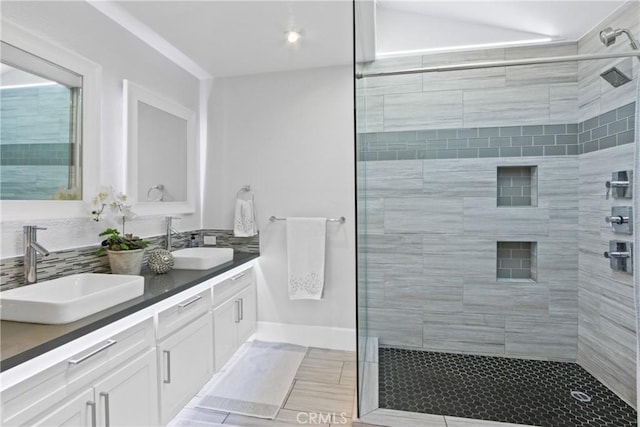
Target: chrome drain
582, 397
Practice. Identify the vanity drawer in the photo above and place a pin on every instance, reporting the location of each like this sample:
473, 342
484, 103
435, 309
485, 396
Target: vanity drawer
228, 288
45, 389
173, 318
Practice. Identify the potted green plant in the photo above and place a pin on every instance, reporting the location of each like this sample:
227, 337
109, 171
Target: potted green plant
125, 251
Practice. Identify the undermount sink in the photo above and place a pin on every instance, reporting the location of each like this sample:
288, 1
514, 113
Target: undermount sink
201, 258
69, 298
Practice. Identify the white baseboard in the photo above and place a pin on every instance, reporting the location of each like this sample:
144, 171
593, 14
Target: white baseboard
311, 336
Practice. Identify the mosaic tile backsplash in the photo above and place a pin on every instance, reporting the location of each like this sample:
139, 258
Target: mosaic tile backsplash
611, 129
84, 260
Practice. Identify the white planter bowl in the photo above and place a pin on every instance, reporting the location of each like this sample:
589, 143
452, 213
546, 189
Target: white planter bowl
126, 262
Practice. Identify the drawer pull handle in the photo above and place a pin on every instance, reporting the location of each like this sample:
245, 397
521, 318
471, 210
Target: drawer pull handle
241, 308
92, 405
237, 302
107, 422
93, 353
168, 354
239, 276
188, 303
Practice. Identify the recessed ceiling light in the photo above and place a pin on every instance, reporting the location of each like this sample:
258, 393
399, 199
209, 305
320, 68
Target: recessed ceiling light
293, 36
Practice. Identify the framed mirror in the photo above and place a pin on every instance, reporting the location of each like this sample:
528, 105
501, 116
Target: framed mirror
161, 168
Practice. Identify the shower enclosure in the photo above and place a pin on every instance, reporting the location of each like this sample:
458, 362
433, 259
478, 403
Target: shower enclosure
495, 233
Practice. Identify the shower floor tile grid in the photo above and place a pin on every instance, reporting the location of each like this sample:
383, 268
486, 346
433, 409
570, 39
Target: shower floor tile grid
500, 389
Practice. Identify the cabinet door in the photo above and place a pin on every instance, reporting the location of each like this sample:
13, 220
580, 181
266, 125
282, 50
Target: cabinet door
247, 325
225, 318
77, 411
129, 397
186, 364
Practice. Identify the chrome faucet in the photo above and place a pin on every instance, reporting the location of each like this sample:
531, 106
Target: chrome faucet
170, 231
31, 250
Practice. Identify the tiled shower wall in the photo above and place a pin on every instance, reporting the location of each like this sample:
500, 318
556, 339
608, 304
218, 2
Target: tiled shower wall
429, 253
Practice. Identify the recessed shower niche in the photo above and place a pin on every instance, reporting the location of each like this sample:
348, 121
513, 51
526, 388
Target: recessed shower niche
517, 186
516, 261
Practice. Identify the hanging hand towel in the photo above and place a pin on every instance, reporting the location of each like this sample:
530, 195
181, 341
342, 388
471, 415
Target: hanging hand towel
305, 253
244, 224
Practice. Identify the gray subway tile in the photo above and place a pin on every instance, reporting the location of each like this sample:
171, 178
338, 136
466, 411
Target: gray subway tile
580, 127
496, 141
407, 136
478, 142
572, 150
510, 152
618, 126
608, 117
599, 132
521, 201
407, 155
387, 136
511, 131
554, 129
371, 155
521, 141
504, 273
555, 150
426, 134
532, 151
387, 155
511, 191
607, 142
467, 153
533, 130
427, 154
468, 133
457, 143
544, 140
434, 144
447, 154
489, 152
626, 137
590, 146
566, 139
572, 128
488, 132
584, 137
518, 273
591, 124
626, 110
447, 133
631, 122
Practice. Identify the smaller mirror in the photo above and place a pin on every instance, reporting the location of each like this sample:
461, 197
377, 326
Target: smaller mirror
161, 153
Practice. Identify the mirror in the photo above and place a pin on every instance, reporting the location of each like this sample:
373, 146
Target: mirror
49, 116
161, 153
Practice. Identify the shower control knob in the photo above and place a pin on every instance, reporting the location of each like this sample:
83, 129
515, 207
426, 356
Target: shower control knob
617, 219
608, 254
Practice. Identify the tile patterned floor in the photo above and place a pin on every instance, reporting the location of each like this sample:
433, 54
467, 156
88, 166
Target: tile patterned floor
498, 389
323, 390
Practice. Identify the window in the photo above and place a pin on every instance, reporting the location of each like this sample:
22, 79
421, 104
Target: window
41, 123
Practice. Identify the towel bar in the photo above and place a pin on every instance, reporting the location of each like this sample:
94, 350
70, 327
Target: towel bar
341, 220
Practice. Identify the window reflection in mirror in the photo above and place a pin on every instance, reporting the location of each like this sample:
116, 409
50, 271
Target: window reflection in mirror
41, 123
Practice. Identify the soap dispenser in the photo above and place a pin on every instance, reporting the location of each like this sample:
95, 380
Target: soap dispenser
193, 243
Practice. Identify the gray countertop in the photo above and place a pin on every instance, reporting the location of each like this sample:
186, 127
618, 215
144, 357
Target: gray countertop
20, 342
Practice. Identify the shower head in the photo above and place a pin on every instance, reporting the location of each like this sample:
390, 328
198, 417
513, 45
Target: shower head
615, 77
608, 37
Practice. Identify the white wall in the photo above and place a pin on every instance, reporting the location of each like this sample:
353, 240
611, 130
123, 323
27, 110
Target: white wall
80, 28
290, 136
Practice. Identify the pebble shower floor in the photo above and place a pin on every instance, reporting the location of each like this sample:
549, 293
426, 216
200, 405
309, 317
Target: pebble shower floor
530, 392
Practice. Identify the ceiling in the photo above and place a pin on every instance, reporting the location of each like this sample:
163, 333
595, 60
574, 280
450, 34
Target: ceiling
239, 37
449, 25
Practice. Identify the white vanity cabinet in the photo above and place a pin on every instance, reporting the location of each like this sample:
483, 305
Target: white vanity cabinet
234, 314
93, 386
185, 353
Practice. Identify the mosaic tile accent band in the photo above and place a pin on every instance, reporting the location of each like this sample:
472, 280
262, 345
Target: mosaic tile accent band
520, 391
611, 129
84, 260
36, 154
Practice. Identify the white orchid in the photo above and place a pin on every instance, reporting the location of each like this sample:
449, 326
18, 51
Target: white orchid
108, 202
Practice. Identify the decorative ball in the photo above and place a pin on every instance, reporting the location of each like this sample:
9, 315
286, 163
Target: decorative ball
160, 261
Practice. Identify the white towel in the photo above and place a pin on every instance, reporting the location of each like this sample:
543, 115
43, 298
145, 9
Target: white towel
305, 252
244, 224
